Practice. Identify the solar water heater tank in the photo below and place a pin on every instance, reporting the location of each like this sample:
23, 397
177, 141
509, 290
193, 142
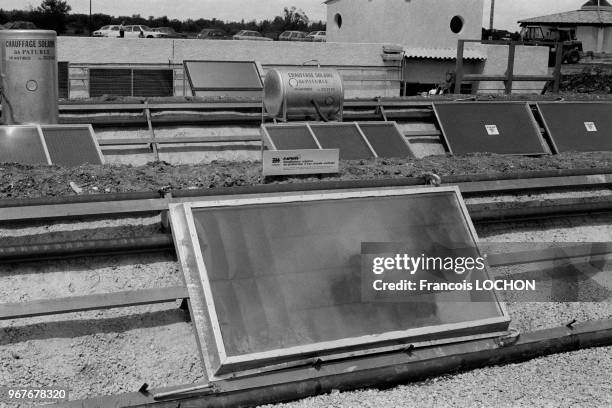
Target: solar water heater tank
303, 92
28, 73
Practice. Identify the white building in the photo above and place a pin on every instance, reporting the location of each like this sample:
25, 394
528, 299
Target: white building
411, 23
592, 25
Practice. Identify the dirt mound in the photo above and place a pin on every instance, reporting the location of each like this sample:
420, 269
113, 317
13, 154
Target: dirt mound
19, 181
592, 80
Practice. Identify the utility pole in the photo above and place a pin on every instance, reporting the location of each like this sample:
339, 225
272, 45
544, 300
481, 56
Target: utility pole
491, 19
90, 18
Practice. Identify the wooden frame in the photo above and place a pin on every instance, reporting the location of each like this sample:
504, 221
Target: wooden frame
218, 365
40, 135
88, 127
534, 123
194, 89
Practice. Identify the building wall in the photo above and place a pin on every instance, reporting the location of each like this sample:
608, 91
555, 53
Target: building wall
413, 23
365, 72
588, 36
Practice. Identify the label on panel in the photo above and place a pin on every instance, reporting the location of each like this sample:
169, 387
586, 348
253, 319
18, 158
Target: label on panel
492, 130
296, 162
590, 126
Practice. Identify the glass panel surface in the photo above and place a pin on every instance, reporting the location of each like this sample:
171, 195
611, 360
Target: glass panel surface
286, 275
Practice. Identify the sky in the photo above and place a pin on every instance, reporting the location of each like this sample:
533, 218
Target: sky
507, 12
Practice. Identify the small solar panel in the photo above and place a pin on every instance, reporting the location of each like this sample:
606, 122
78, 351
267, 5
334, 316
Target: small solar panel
386, 139
223, 76
345, 137
582, 127
71, 146
502, 128
291, 137
22, 144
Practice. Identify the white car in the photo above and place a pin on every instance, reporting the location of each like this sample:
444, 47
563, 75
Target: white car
142, 31
316, 36
107, 31
251, 36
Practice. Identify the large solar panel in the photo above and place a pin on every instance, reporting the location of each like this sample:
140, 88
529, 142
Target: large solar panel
346, 137
386, 139
502, 128
582, 127
279, 277
22, 144
289, 137
72, 145
224, 78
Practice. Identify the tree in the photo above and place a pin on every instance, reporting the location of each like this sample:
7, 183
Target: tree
53, 14
295, 19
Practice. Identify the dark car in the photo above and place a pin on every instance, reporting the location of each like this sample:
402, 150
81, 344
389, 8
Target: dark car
169, 32
213, 34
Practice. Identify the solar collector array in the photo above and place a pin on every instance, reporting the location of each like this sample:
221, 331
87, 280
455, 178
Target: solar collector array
355, 141
63, 145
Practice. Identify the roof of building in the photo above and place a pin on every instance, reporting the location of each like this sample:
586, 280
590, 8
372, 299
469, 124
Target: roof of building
443, 53
593, 12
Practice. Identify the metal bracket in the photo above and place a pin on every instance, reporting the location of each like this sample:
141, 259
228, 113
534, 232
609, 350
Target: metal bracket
509, 339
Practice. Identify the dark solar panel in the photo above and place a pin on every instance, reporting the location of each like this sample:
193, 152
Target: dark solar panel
385, 139
153, 82
291, 137
502, 128
110, 82
21, 145
583, 127
345, 137
71, 146
285, 275
223, 75
63, 79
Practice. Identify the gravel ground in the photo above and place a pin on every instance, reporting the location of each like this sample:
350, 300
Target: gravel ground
577, 379
109, 352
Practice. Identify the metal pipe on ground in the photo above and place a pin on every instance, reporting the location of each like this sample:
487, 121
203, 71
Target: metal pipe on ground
100, 247
380, 371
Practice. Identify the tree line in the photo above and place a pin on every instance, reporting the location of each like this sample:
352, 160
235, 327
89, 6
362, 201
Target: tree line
55, 15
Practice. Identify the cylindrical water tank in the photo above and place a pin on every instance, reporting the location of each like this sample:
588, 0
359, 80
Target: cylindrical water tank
28, 71
296, 91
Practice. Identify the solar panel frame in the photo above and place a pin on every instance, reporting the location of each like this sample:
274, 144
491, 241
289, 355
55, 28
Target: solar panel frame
347, 125
212, 90
86, 127
548, 125
533, 125
400, 137
206, 323
268, 140
41, 138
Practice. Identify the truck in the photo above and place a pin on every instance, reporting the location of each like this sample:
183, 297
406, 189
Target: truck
572, 47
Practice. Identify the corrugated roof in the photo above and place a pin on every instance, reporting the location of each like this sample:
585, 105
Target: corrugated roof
443, 53
586, 17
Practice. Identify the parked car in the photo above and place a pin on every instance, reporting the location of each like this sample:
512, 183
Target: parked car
250, 36
212, 34
20, 25
316, 36
170, 32
107, 31
142, 31
292, 36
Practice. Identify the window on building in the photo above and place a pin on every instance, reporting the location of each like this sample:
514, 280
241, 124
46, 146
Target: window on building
338, 20
456, 24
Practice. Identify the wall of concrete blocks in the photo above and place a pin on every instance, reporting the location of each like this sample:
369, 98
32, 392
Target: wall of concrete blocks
362, 66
